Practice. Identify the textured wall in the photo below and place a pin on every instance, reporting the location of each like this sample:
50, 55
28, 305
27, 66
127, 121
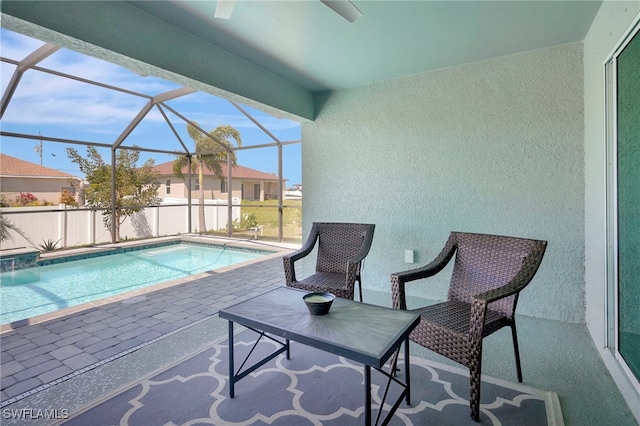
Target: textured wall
493, 146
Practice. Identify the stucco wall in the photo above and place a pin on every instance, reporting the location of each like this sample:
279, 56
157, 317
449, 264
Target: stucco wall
493, 146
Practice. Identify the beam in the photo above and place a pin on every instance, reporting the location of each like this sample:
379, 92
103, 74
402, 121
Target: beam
126, 35
35, 57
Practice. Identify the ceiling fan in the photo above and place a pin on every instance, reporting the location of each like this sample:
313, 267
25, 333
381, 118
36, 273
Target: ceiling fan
344, 8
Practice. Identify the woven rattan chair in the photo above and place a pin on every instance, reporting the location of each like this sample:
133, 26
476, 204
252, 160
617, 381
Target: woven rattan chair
489, 271
341, 249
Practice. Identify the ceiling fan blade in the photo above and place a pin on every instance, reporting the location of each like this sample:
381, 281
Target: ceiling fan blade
224, 9
344, 8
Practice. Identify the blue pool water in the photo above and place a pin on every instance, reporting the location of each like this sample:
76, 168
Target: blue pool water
33, 291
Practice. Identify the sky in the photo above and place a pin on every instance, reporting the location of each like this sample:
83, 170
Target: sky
53, 106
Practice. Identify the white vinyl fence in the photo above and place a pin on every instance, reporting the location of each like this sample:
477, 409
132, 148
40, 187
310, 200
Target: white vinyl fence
70, 227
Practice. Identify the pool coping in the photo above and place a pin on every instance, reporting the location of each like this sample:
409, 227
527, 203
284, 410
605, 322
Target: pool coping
137, 295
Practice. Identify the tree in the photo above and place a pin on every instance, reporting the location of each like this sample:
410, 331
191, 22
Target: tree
68, 198
136, 187
6, 226
219, 138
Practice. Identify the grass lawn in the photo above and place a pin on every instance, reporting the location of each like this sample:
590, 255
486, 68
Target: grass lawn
266, 217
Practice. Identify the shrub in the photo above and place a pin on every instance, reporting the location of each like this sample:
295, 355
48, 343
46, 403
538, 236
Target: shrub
48, 245
26, 199
249, 220
67, 198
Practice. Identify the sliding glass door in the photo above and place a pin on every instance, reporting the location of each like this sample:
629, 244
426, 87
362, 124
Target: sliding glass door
624, 187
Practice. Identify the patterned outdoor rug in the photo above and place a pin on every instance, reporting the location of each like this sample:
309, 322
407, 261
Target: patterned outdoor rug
311, 388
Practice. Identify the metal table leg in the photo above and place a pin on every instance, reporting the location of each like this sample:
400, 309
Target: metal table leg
407, 363
367, 393
231, 367
405, 394
242, 372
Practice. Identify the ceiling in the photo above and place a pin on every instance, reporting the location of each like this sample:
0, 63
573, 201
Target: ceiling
283, 57
310, 45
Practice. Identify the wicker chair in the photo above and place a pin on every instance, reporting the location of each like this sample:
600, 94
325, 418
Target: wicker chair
341, 249
488, 273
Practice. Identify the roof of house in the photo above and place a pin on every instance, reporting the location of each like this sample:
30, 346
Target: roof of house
238, 172
12, 166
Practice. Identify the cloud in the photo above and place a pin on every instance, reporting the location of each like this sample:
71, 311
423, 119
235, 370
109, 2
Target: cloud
17, 46
48, 99
77, 108
211, 111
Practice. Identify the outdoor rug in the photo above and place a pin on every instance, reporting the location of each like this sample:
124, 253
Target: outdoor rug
311, 388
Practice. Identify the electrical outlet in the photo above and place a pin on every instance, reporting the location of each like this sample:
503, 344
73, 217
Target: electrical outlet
409, 256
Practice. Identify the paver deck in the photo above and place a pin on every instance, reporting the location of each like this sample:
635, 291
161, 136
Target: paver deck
37, 356
53, 376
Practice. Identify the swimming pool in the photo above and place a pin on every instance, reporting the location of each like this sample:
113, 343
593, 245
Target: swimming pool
34, 291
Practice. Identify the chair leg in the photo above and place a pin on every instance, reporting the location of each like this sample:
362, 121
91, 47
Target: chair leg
359, 288
475, 371
516, 351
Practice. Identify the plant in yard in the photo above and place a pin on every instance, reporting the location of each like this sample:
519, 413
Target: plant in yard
6, 226
26, 199
135, 187
249, 220
68, 198
48, 245
235, 226
212, 149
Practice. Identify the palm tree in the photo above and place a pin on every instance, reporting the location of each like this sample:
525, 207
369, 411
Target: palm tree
7, 226
211, 150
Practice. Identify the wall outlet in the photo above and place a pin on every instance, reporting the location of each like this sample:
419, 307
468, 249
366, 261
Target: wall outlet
409, 256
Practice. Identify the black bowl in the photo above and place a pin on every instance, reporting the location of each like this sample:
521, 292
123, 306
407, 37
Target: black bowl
318, 303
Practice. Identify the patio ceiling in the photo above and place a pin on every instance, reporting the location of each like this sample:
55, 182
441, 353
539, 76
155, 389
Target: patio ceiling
307, 43
282, 53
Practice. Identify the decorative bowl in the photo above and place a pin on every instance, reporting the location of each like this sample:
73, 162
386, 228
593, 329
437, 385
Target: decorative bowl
318, 303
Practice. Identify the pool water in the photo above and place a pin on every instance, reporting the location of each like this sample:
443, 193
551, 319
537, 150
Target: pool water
34, 291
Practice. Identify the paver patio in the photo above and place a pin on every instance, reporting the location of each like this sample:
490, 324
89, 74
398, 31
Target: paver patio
73, 361
40, 355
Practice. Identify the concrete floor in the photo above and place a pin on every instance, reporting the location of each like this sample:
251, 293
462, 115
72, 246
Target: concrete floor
556, 356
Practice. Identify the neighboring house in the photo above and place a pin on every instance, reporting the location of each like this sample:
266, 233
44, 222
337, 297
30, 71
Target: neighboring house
44, 183
247, 184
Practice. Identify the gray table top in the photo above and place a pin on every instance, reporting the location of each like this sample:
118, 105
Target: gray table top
358, 331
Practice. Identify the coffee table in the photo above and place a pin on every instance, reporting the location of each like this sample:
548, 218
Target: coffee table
361, 332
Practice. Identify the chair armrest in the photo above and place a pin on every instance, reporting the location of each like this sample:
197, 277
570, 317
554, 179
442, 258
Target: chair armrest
289, 259
506, 290
300, 253
479, 305
399, 279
